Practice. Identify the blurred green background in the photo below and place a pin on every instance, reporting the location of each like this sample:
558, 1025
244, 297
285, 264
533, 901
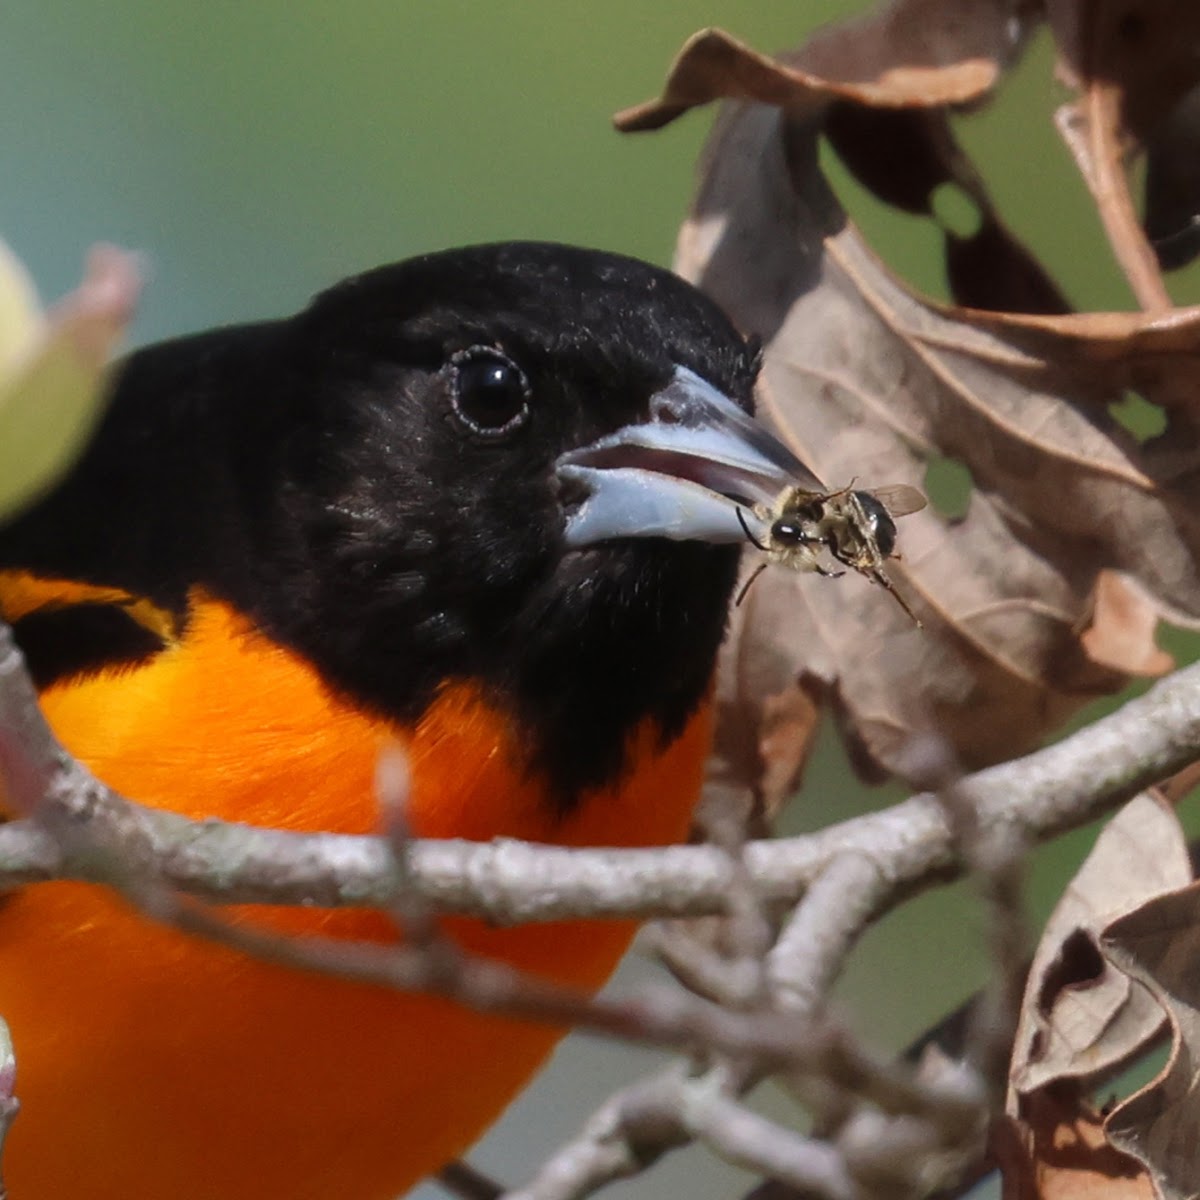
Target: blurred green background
256, 152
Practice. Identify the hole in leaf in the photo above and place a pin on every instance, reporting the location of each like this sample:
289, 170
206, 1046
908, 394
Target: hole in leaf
956, 211
948, 485
1139, 416
1079, 964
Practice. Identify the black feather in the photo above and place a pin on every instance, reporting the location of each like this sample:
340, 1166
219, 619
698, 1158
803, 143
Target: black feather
312, 473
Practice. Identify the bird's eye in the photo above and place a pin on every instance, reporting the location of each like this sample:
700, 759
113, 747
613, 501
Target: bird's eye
489, 392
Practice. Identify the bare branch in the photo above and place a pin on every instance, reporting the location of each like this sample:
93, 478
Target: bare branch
640, 1123
76, 828
822, 931
652, 1016
748, 1140
628, 1133
694, 962
995, 854
1040, 796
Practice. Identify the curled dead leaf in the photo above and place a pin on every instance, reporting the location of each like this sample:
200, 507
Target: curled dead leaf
1121, 632
909, 53
1132, 63
1081, 1016
1159, 946
1060, 1153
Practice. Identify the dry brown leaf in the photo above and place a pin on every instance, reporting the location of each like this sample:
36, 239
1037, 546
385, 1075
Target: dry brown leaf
909, 52
1159, 945
1060, 1153
1132, 63
866, 380
1146, 49
1081, 1017
881, 84
871, 382
769, 745
906, 157
789, 720
1121, 632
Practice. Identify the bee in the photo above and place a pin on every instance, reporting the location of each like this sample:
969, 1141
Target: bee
793, 516
856, 527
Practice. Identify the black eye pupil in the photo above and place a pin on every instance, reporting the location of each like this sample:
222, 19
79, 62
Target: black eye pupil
491, 394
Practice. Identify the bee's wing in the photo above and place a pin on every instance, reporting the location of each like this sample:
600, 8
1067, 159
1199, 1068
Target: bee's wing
899, 499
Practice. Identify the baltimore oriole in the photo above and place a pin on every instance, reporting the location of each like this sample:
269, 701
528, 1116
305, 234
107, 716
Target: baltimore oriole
483, 503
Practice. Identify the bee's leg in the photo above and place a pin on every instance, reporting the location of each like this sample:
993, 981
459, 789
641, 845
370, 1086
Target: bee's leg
886, 583
826, 574
753, 540
746, 586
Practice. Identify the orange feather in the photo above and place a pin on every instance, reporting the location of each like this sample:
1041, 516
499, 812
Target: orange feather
283, 1084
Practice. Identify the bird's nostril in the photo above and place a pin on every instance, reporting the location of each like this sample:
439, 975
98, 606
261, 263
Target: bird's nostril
667, 410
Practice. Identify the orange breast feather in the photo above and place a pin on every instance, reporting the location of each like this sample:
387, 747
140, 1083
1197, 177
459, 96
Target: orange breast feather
160, 1068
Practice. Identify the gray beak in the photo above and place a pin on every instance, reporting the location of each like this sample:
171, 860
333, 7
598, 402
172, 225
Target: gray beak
686, 474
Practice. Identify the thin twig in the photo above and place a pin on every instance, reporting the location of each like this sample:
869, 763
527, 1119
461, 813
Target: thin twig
821, 932
662, 1016
748, 1140
629, 1132
697, 965
996, 856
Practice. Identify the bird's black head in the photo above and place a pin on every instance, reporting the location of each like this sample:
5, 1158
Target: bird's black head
380, 483
436, 396
427, 516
